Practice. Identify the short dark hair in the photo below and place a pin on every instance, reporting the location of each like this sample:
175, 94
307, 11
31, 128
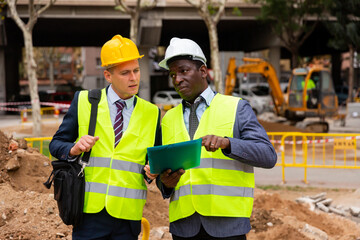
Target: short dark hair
185, 57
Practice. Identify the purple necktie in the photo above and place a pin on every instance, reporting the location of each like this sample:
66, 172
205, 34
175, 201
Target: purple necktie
118, 124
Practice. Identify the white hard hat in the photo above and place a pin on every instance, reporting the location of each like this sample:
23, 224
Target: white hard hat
182, 47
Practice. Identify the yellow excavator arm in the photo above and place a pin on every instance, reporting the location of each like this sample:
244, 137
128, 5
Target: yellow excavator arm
255, 65
230, 80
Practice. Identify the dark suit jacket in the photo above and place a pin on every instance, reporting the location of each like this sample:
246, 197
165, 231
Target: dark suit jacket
65, 137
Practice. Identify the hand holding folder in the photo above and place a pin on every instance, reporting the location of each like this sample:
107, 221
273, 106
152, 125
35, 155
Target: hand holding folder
183, 155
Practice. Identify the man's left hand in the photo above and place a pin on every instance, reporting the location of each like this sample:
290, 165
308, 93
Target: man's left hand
213, 143
150, 175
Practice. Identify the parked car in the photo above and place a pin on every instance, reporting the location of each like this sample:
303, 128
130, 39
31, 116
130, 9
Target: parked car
167, 98
61, 98
258, 96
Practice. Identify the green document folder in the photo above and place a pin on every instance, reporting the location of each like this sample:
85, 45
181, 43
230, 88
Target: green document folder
175, 156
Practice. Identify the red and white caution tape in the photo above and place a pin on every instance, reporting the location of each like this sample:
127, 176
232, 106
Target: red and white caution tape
11, 109
58, 105
14, 103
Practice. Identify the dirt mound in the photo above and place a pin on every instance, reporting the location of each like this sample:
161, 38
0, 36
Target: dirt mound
28, 210
24, 168
276, 218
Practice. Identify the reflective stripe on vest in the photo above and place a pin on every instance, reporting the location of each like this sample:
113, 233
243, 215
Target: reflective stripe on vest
220, 186
113, 178
115, 191
225, 164
116, 164
213, 189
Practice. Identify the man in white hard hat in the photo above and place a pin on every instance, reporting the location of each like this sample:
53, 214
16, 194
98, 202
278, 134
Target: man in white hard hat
115, 191
214, 200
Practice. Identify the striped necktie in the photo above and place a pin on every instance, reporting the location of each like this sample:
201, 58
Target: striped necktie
193, 120
119, 122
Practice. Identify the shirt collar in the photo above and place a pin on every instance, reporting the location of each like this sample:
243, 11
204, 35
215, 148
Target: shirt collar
207, 95
114, 97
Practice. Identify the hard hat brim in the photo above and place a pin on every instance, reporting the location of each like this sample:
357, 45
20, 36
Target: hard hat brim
112, 64
164, 62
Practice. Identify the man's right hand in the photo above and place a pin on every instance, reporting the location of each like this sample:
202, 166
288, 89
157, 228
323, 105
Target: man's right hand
170, 179
84, 144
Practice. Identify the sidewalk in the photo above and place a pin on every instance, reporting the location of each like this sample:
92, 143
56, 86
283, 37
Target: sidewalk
14, 120
316, 177
352, 125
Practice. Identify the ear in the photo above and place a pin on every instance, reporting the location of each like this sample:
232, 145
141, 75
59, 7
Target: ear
107, 76
203, 71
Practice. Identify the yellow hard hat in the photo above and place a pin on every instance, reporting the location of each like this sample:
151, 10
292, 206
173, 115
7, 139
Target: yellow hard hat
117, 50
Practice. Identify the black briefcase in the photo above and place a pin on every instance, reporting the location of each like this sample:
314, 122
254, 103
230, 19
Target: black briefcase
69, 190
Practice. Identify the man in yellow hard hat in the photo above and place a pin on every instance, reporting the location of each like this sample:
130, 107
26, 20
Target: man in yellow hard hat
215, 199
115, 191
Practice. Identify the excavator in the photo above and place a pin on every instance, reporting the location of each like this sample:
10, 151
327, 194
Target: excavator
310, 92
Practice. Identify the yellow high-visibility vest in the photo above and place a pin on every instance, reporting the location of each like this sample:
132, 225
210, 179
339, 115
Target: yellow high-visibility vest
113, 178
220, 186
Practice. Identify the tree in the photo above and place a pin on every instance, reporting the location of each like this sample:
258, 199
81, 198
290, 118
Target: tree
211, 12
34, 10
289, 20
134, 13
346, 32
50, 55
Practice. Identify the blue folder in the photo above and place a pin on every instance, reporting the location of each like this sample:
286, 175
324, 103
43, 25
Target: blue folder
175, 156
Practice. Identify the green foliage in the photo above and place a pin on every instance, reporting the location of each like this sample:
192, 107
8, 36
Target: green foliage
213, 9
2, 9
289, 16
289, 20
346, 29
236, 11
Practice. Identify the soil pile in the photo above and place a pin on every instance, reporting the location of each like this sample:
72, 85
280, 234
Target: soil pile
28, 210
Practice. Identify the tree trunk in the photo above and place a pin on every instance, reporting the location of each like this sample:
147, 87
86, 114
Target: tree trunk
51, 74
294, 58
134, 25
215, 57
50, 57
33, 86
351, 74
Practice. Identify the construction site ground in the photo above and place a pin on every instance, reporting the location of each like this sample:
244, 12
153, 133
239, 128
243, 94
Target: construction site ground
28, 210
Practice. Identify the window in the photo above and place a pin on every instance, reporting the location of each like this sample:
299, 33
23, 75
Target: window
98, 62
296, 82
175, 96
327, 84
161, 95
66, 58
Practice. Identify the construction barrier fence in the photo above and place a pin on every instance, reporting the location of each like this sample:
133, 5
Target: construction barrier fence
316, 150
50, 112
41, 143
298, 150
